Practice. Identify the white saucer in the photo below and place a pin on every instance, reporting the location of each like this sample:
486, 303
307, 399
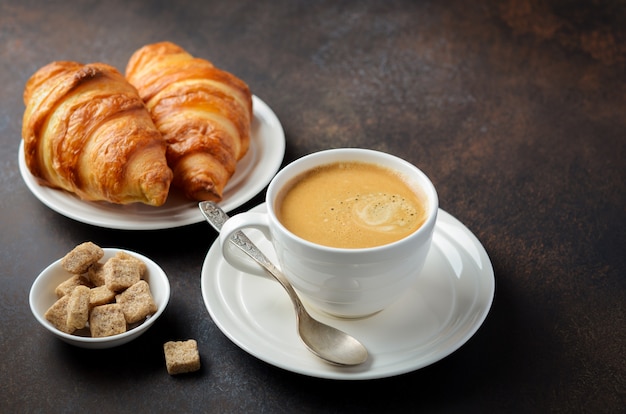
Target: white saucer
447, 305
254, 172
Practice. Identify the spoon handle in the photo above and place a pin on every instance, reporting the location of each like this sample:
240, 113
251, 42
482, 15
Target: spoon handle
217, 217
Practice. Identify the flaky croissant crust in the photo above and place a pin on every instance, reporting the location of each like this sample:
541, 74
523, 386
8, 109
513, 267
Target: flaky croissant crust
87, 131
203, 113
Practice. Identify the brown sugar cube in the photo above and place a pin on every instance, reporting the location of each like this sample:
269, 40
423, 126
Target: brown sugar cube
95, 274
141, 266
107, 320
78, 307
66, 287
181, 356
120, 274
100, 295
57, 315
81, 257
136, 302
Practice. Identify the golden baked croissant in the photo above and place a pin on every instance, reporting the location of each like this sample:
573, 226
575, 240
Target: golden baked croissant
87, 131
204, 114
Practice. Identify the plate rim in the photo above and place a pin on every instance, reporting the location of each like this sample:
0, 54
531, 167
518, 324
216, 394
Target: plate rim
469, 327
274, 153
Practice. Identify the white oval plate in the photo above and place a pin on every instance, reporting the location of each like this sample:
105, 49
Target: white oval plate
254, 172
446, 306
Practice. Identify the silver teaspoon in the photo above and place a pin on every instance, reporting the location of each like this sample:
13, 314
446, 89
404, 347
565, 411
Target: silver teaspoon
328, 343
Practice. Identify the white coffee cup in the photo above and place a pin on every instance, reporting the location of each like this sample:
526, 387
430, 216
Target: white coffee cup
342, 282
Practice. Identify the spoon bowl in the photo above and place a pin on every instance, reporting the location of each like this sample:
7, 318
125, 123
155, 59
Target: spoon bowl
328, 343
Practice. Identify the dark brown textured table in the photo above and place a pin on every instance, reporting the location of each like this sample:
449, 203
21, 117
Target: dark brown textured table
516, 109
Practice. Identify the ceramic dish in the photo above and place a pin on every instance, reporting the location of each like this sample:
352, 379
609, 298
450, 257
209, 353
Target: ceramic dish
42, 296
254, 172
446, 306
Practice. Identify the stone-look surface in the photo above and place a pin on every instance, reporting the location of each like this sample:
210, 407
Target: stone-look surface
514, 108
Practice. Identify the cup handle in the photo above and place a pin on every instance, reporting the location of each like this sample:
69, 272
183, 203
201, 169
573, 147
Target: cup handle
232, 254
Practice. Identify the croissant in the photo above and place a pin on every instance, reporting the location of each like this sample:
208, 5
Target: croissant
87, 131
203, 113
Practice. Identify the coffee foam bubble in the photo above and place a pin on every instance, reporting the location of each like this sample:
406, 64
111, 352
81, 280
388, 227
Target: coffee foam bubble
380, 212
376, 214
383, 212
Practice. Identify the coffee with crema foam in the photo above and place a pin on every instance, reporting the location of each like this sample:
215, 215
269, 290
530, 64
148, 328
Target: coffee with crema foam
351, 205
